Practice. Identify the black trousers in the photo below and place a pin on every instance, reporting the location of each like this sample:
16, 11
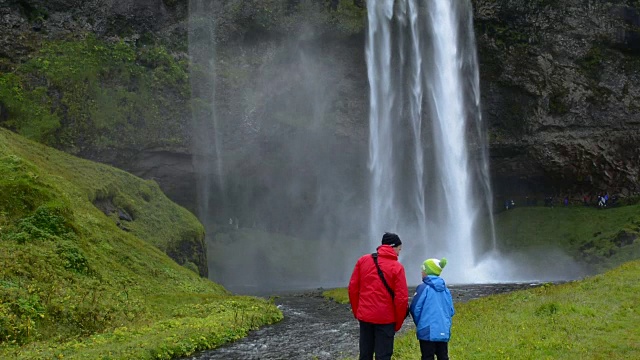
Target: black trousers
378, 339
431, 348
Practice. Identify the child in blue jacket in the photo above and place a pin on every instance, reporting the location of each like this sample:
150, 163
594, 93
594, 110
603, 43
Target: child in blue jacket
432, 310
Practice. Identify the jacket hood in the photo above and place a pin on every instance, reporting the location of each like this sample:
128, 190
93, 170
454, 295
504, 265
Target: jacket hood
436, 282
387, 251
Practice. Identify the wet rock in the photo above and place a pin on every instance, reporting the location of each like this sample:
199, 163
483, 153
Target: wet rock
624, 238
123, 215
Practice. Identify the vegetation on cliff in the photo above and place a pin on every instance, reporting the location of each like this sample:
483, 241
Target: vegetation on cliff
80, 280
87, 95
84, 94
242, 19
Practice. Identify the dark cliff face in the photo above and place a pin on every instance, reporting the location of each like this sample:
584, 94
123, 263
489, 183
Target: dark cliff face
142, 27
25, 23
560, 83
560, 86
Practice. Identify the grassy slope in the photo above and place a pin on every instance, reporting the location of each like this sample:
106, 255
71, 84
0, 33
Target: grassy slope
598, 238
596, 318
74, 285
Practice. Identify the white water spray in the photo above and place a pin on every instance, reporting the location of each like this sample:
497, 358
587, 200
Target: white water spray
206, 137
424, 112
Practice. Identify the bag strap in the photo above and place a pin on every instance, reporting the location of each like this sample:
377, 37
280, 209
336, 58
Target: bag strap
375, 260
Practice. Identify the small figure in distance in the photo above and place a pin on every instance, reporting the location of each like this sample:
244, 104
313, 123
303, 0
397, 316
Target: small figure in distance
432, 310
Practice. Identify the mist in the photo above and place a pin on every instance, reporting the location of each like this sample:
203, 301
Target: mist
532, 265
283, 186
300, 174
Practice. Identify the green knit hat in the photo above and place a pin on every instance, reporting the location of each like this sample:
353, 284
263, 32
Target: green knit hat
434, 266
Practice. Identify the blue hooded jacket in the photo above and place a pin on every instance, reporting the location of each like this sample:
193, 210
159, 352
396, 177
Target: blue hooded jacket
432, 310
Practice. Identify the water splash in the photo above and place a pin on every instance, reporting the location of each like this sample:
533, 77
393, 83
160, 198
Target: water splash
424, 118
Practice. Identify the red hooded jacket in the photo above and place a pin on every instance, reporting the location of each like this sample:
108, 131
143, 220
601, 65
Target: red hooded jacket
370, 299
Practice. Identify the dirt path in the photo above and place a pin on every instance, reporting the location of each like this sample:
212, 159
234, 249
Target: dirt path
316, 328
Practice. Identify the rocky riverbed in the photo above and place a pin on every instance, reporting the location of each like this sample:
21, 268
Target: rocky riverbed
317, 328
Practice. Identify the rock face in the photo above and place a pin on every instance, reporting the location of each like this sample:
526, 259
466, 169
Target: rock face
27, 22
560, 83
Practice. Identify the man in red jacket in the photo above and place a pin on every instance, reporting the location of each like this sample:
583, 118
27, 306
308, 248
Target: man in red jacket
379, 298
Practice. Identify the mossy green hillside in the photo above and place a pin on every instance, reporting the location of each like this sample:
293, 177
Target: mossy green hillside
89, 94
152, 213
75, 285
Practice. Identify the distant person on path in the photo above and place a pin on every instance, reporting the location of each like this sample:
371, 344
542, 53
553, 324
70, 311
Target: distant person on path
548, 201
379, 298
432, 310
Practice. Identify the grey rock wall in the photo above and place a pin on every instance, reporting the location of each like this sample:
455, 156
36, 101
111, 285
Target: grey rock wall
561, 91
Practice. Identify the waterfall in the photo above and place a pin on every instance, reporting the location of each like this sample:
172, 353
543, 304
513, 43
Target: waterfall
428, 152
206, 140
278, 188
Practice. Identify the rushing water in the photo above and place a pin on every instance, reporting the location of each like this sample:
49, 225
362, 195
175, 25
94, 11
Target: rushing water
320, 329
424, 115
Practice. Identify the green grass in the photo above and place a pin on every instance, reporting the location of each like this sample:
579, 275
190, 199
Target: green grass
74, 285
596, 318
597, 238
341, 296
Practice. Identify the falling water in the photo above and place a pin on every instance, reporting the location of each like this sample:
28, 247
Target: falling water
280, 176
279, 187
206, 139
424, 121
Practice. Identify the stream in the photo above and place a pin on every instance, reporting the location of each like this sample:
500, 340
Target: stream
316, 328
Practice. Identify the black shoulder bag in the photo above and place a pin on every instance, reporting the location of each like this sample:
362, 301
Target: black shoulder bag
375, 260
